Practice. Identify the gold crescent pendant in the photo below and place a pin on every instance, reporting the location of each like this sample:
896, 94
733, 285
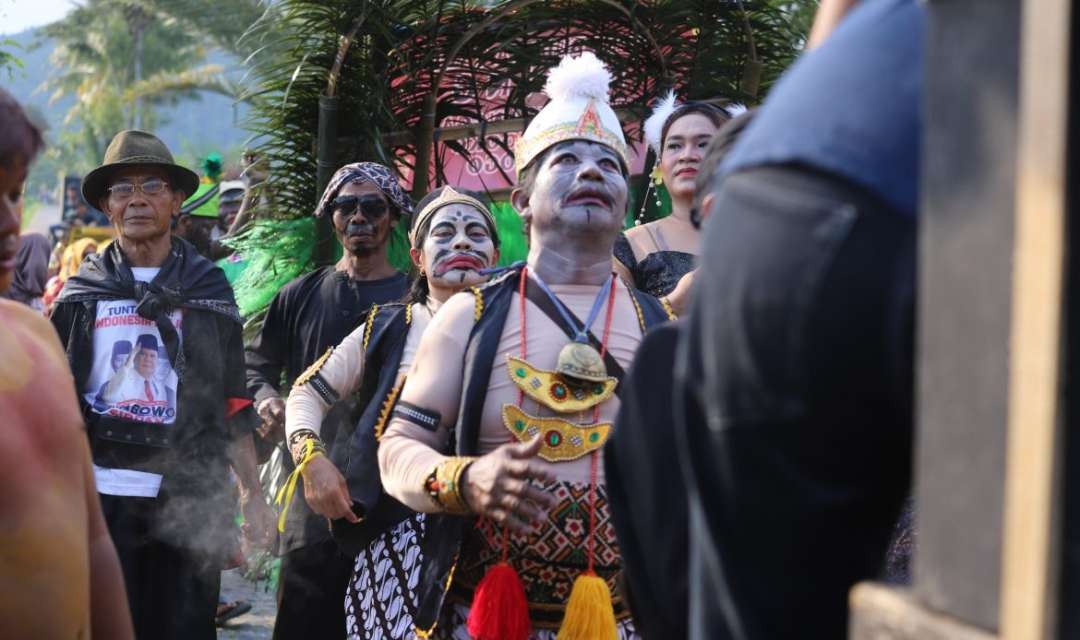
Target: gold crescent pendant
563, 440
555, 390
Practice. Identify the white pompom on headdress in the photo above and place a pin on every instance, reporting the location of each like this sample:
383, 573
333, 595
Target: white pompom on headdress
654, 125
584, 76
579, 109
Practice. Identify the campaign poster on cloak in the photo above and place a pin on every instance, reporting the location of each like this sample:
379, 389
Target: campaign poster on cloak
132, 378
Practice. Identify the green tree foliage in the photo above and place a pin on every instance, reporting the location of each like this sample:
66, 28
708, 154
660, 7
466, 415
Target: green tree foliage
403, 69
120, 60
9, 62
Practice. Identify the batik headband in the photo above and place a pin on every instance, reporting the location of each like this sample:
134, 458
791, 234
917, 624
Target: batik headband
447, 197
372, 172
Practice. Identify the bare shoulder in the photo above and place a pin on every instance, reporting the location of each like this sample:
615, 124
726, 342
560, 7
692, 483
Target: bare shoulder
30, 324
455, 319
640, 233
641, 240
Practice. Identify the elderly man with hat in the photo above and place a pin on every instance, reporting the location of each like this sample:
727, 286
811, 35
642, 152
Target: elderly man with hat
306, 319
518, 542
161, 463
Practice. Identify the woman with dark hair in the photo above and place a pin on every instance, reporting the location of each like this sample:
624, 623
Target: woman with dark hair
452, 241
654, 257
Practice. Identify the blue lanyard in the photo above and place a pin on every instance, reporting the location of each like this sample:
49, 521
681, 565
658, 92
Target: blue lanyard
581, 334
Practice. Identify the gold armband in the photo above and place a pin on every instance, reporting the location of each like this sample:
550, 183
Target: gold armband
443, 484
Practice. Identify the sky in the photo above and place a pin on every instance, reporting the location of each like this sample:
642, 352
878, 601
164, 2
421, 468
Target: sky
19, 15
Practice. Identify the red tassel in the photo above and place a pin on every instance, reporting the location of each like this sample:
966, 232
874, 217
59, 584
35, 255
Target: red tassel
499, 610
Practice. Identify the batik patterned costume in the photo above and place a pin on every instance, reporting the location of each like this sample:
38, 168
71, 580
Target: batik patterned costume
365, 367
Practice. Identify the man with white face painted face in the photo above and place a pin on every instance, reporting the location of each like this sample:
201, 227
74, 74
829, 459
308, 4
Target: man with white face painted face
534, 359
305, 320
453, 239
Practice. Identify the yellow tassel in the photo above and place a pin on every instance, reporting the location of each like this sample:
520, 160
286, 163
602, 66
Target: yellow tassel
589, 614
284, 497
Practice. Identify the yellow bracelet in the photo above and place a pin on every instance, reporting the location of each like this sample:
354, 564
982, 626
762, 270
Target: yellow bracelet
443, 484
284, 498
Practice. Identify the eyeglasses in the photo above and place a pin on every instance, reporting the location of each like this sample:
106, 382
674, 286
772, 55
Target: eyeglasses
372, 206
126, 190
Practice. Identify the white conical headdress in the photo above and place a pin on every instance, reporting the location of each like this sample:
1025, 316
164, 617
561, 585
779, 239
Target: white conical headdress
578, 110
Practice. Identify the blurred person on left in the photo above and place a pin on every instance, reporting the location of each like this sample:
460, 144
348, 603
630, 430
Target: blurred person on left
31, 271
71, 258
59, 574
161, 460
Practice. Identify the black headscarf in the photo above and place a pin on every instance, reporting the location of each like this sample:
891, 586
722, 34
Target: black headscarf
186, 281
31, 269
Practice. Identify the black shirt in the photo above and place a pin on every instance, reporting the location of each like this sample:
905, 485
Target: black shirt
308, 316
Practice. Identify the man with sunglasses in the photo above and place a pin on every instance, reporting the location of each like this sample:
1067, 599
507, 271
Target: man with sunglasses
161, 459
306, 319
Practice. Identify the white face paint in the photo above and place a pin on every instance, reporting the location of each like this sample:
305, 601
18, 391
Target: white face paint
579, 188
457, 246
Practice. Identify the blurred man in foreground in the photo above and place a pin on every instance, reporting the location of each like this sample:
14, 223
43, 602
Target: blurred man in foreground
59, 575
800, 342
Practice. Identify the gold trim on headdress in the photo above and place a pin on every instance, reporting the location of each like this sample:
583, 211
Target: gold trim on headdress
526, 149
446, 198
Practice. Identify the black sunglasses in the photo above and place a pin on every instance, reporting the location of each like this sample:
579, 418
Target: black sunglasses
372, 206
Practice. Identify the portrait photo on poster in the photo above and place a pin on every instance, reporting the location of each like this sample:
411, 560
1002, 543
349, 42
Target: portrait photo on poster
132, 377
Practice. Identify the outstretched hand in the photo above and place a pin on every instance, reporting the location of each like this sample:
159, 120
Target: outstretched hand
499, 486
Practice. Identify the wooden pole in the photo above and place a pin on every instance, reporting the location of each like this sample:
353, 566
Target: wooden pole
327, 164
1033, 492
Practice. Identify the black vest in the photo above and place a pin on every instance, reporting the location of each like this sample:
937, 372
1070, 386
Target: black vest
355, 450
443, 533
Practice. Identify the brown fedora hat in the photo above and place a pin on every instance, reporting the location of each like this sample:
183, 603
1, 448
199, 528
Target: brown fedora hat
136, 148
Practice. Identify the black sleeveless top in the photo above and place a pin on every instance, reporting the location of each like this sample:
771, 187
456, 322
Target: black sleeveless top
659, 272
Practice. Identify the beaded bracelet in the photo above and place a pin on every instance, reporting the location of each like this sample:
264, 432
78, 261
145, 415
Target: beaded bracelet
298, 444
443, 484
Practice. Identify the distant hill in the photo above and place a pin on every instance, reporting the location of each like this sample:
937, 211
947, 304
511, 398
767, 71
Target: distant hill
210, 122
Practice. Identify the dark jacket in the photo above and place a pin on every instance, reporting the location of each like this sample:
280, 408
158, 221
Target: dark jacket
196, 503
355, 450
